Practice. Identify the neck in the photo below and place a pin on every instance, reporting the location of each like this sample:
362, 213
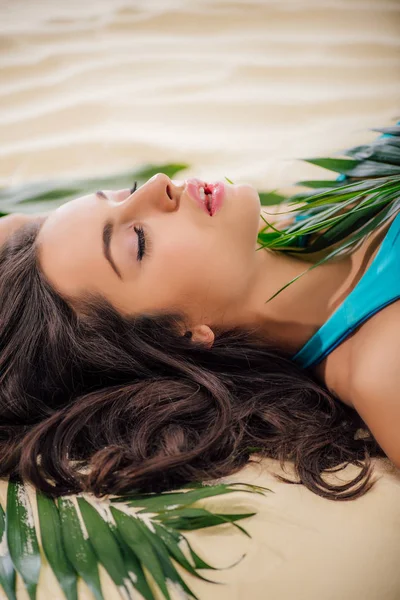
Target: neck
296, 313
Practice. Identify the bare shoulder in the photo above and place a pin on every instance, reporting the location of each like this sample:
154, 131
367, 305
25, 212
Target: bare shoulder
375, 380
376, 347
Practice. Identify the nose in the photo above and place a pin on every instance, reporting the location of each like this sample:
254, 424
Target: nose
158, 193
164, 188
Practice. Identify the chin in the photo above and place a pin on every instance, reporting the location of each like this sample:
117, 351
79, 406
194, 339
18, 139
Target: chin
251, 191
250, 198
248, 210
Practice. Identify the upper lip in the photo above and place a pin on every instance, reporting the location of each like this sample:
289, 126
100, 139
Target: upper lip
198, 184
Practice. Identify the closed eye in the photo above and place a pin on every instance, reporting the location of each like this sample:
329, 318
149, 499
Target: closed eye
143, 243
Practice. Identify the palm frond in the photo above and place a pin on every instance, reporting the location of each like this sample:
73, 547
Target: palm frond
335, 216
139, 549
22, 542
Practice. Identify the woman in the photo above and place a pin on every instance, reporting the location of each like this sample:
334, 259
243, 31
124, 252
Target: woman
137, 345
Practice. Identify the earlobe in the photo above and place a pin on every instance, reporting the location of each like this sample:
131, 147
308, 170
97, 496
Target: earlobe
203, 334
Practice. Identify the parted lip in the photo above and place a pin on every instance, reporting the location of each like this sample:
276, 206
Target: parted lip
213, 200
193, 186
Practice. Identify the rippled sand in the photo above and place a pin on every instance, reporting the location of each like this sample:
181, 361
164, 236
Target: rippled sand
241, 89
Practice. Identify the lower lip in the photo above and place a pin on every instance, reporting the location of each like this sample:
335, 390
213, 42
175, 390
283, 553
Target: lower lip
216, 198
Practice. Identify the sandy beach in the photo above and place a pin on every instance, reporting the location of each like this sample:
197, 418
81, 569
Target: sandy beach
236, 89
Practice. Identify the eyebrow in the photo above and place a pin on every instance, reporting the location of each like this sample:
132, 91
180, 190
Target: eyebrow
107, 236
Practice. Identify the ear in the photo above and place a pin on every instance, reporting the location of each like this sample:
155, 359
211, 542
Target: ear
203, 334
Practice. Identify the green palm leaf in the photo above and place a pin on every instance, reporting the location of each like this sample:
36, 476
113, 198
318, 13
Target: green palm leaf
7, 571
356, 168
385, 153
134, 567
336, 216
38, 196
268, 198
173, 542
319, 183
134, 535
51, 535
78, 548
340, 165
389, 140
138, 550
394, 130
171, 576
199, 518
105, 546
21, 536
172, 500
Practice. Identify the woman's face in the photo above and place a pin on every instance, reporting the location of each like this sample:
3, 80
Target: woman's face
194, 263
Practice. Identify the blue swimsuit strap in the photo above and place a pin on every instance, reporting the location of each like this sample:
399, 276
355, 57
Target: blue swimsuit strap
354, 310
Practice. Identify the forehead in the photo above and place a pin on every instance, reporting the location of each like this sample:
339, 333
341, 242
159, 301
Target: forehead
69, 244
61, 223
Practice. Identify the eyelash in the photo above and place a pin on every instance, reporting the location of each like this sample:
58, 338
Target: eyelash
144, 247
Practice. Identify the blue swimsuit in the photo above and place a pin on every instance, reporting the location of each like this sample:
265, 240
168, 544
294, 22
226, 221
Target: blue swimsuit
378, 287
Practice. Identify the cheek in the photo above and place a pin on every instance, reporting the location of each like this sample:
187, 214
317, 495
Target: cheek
204, 271
183, 259
180, 264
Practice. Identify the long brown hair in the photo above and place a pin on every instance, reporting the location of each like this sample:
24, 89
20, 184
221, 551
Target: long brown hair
95, 401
